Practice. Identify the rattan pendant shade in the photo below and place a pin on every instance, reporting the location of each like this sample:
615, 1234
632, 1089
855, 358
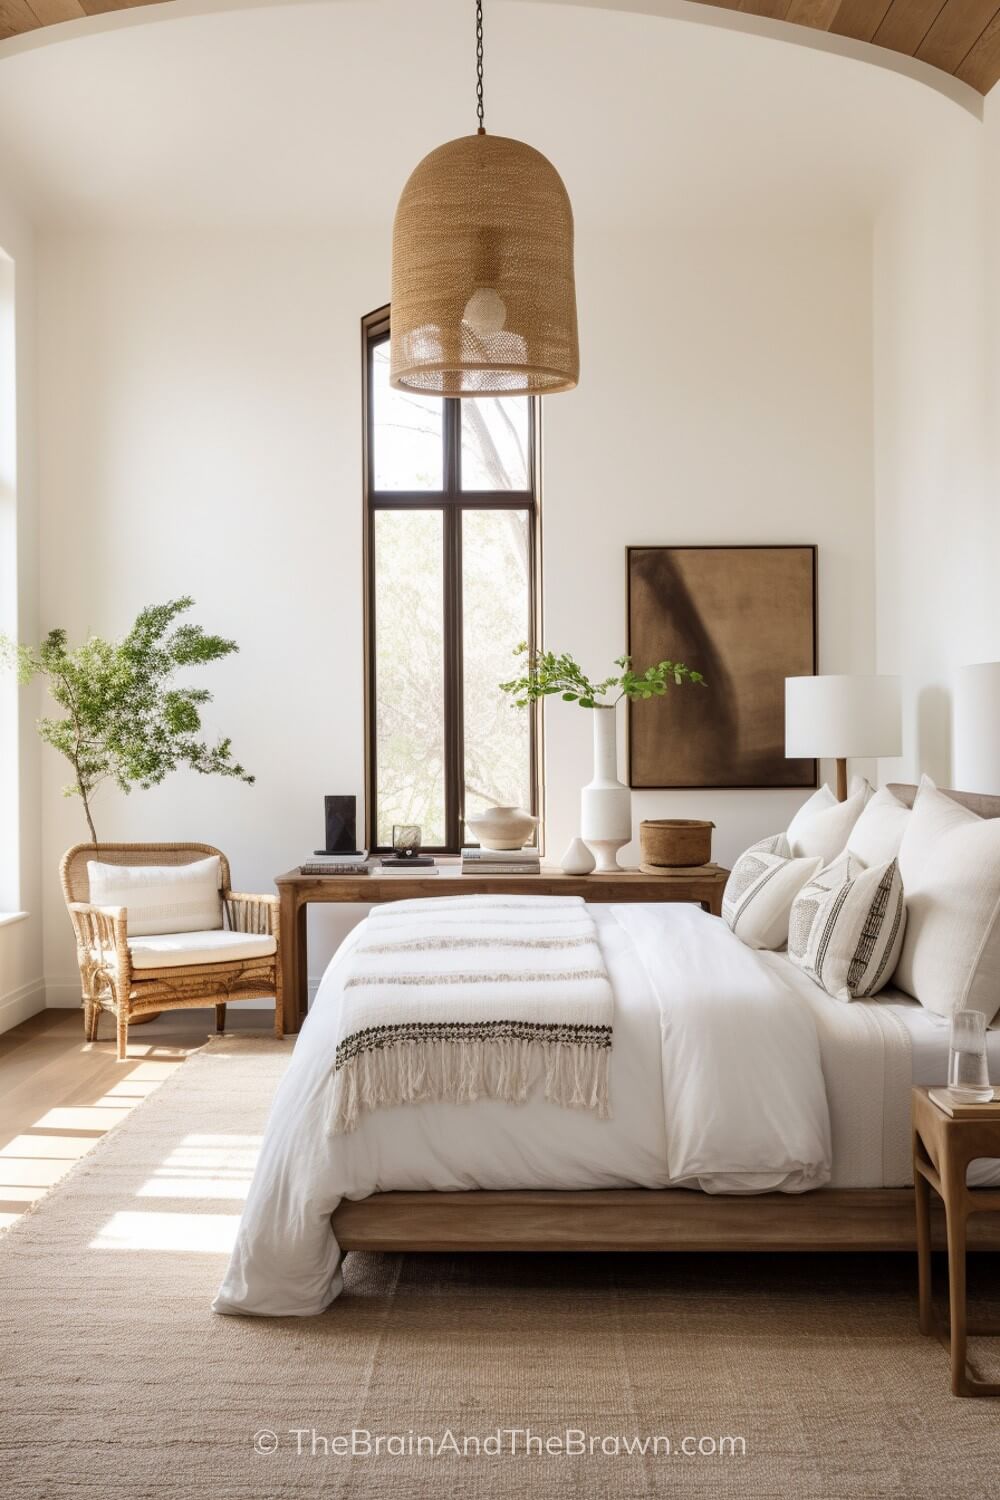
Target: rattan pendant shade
483, 297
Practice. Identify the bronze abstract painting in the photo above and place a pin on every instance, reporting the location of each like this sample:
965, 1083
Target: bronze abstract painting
745, 617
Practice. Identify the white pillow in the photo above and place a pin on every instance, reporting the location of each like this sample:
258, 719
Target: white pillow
760, 890
822, 826
161, 898
846, 927
950, 863
878, 833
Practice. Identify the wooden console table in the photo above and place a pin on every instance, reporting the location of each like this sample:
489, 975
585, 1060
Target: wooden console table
703, 886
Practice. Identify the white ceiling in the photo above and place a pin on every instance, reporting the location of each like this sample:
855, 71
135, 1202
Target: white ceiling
314, 113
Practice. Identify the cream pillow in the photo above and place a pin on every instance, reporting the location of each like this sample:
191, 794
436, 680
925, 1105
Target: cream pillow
822, 826
950, 863
760, 890
161, 898
878, 833
846, 927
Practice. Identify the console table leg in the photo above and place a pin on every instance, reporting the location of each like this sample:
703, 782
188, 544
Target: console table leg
287, 1019
302, 963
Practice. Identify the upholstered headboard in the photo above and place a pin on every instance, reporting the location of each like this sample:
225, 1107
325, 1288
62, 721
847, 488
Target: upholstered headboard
977, 802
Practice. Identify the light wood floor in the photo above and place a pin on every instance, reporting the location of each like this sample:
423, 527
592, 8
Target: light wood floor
60, 1094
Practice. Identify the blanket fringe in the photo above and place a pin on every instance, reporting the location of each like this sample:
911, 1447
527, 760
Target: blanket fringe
459, 1072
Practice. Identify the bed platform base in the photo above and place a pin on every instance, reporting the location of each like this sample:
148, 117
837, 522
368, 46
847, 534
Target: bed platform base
640, 1219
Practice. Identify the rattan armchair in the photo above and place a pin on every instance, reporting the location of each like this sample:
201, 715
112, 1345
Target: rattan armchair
110, 981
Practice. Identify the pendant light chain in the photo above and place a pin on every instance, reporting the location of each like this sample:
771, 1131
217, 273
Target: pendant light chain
479, 66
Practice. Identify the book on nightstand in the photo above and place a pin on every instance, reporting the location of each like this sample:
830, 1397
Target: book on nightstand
962, 1109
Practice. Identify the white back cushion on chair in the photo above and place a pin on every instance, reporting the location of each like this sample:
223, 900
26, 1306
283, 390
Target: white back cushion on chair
950, 863
822, 826
161, 898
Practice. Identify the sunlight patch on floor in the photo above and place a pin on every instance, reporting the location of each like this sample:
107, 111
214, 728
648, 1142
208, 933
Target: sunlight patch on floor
201, 1233
34, 1161
51, 1147
205, 1166
94, 1117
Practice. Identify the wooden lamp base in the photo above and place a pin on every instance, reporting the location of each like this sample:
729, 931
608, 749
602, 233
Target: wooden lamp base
841, 780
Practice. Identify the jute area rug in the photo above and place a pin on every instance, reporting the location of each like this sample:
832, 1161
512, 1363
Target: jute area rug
117, 1381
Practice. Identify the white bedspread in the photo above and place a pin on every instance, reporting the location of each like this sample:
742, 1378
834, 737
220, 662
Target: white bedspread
716, 1082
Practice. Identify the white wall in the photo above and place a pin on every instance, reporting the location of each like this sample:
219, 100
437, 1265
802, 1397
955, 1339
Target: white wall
200, 416
937, 340
201, 413
725, 396
21, 987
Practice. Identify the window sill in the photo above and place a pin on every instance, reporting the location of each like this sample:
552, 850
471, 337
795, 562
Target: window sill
8, 918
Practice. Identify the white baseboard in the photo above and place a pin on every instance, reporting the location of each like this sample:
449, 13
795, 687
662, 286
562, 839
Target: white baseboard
63, 994
16, 1006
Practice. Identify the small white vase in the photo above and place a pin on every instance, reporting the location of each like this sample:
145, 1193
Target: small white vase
578, 859
605, 804
503, 827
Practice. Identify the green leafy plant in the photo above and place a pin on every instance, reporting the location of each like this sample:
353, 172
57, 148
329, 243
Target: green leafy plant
547, 674
124, 720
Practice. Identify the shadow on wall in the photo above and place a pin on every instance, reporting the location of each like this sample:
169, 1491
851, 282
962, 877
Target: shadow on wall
934, 734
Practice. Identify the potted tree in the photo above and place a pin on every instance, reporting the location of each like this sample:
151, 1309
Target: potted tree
124, 719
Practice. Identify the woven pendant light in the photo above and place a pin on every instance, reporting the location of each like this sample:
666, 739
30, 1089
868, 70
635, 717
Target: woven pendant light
483, 298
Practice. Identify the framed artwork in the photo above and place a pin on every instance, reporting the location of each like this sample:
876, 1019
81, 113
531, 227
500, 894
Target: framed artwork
745, 617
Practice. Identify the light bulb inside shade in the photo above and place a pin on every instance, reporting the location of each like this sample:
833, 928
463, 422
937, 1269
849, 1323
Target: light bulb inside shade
485, 312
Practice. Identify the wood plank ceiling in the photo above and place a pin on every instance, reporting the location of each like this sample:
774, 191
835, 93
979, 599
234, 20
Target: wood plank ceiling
962, 37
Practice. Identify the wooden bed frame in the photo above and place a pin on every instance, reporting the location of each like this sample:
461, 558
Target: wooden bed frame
641, 1219
672, 1219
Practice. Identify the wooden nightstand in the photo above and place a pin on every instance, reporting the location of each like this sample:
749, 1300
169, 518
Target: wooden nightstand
943, 1147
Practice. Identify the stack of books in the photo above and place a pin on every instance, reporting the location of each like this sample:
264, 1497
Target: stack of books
338, 864
525, 861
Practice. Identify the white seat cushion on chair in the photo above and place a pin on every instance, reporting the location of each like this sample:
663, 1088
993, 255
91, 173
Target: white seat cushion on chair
171, 950
161, 898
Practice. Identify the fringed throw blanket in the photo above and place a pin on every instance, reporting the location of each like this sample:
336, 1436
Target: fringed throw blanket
471, 997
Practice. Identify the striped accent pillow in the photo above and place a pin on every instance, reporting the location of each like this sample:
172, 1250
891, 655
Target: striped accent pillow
846, 927
161, 898
760, 890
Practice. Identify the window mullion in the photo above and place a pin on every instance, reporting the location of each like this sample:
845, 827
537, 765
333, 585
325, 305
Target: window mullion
454, 737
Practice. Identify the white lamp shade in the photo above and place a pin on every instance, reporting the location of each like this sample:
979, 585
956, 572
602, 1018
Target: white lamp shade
976, 728
839, 717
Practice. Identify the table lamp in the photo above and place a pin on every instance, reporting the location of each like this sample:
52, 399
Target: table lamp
976, 728
833, 717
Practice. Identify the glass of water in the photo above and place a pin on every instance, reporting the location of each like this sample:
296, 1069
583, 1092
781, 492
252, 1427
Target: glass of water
968, 1074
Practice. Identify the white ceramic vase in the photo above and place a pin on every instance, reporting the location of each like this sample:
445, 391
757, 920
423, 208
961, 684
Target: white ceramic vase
578, 859
503, 827
605, 804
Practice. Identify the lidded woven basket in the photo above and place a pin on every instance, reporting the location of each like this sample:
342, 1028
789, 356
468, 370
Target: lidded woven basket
675, 843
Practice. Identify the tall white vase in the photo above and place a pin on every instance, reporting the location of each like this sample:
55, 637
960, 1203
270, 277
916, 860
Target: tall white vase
605, 804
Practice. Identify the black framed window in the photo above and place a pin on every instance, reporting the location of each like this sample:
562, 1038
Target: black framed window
451, 559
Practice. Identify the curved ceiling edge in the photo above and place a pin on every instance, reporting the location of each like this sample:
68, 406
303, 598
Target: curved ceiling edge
955, 55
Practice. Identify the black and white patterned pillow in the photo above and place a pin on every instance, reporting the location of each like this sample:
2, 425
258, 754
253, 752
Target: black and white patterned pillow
760, 890
845, 928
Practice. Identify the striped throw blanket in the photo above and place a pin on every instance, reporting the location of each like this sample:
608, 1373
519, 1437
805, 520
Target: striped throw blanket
474, 997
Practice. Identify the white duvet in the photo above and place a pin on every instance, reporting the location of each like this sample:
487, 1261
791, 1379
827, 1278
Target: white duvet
716, 1083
